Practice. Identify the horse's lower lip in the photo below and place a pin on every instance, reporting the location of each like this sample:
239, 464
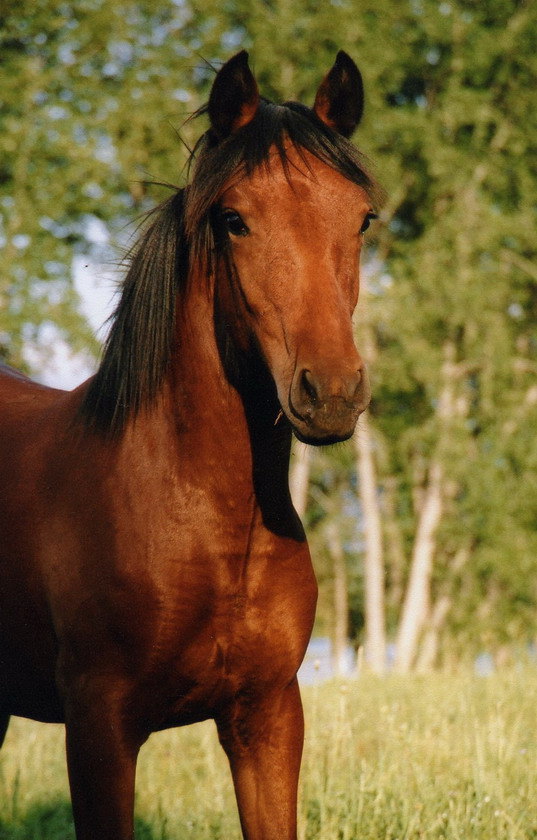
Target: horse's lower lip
325, 422
319, 430
325, 439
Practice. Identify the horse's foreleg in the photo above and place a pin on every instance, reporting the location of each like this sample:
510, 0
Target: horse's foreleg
101, 759
263, 741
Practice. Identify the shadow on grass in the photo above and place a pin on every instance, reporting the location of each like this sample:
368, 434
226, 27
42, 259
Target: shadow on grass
54, 821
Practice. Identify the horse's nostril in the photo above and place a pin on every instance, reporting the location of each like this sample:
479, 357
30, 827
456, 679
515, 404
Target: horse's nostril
308, 385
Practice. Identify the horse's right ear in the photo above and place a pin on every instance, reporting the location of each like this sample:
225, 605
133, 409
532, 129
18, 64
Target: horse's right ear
234, 98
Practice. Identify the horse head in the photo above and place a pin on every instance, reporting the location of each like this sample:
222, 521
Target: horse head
289, 219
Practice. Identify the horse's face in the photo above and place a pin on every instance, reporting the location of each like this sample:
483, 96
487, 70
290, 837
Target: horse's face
296, 237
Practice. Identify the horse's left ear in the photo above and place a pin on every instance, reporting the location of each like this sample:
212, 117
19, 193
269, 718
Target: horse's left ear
234, 98
340, 99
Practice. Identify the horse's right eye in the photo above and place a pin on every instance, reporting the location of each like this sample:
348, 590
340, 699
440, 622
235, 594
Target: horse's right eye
234, 223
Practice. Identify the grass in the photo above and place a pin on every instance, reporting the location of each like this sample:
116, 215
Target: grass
440, 757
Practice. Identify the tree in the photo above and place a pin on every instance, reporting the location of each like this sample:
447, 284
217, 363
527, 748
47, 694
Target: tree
443, 338
91, 92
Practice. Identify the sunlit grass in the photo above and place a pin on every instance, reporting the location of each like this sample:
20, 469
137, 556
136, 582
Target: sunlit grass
430, 757
445, 757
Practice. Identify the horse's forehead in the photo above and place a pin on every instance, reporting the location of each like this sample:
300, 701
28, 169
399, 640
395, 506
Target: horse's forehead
296, 178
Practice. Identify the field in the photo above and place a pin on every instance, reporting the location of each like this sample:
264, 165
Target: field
441, 757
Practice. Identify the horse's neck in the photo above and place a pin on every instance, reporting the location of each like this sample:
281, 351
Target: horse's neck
208, 415
220, 436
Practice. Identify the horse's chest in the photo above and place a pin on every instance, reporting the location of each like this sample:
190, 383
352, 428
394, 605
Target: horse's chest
248, 637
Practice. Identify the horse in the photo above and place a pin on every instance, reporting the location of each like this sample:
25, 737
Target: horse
154, 572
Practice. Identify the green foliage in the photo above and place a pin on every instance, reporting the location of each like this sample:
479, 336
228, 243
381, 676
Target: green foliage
462, 262
92, 94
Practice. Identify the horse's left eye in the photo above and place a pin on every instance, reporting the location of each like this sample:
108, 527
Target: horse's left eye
367, 221
234, 223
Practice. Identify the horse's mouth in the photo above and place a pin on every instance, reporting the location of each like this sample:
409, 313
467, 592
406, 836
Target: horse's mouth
325, 430
322, 422
323, 440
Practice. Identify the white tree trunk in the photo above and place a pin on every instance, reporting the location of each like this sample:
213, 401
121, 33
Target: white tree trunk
428, 652
299, 477
417, 598
416, 603
341, 598
395, 550
375, 633
431, 637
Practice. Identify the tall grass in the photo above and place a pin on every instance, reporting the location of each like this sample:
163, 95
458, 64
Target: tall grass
441, 757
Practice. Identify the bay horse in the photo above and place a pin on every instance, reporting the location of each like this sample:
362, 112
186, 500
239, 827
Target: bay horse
153, 570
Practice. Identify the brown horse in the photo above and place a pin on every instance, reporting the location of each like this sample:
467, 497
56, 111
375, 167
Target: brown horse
153, 570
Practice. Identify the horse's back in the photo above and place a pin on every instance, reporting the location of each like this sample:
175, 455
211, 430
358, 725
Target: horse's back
29, 424
18, 391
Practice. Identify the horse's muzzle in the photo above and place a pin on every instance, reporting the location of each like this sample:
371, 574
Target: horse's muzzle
324, 408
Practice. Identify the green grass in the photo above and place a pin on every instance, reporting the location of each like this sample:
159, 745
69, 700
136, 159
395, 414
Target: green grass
442, 757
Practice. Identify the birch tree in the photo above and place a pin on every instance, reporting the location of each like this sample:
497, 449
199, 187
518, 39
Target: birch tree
374, 572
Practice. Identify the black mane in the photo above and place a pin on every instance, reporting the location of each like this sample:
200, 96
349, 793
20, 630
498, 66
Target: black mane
137, 351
